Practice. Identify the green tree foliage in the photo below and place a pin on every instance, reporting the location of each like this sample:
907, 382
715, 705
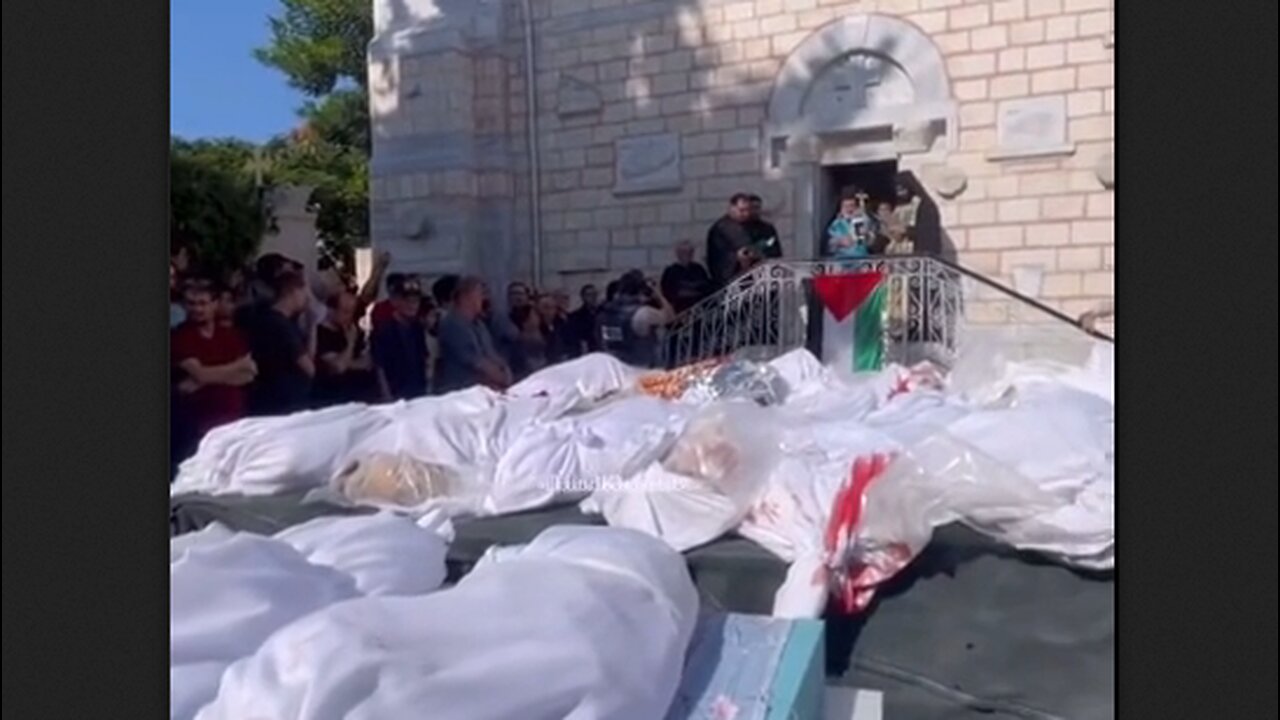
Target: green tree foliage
341, 119
320, 45
340, 177
217, 186
214, 201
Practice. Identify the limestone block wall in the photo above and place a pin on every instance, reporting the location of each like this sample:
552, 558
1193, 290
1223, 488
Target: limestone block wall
651, 113
444, 167
705, 71
294, 233
1054, 212
670, 73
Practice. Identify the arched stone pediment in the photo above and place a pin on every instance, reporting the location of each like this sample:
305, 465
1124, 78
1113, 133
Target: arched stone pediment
861, 72
856, 82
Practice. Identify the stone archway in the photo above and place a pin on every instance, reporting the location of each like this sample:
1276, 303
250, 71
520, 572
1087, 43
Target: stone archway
863, 88
860, 72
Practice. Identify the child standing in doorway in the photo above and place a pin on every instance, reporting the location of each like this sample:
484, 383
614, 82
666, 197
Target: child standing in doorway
849, 234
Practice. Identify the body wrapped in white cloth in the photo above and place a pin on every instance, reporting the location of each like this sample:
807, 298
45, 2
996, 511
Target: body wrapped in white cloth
581, 624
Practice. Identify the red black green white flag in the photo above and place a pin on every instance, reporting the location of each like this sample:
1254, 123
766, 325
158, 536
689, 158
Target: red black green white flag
854, 306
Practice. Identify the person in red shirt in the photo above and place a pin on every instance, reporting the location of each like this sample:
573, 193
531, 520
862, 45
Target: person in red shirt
225, 305
384, 309
211, 360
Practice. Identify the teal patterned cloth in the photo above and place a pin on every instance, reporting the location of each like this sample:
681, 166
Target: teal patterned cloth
730, 667
843, 228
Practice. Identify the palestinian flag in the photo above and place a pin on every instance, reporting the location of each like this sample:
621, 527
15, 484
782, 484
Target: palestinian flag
853, 311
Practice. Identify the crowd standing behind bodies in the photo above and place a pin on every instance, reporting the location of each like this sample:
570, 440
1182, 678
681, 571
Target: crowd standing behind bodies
416, 345
266, 341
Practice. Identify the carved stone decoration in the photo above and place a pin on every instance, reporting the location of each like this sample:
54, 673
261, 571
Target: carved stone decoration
806, 149
416, 225
854, 83
1031, 127
948, 181
1105, 170
913, 138
423, 236
862, 72
648, 163
575, 97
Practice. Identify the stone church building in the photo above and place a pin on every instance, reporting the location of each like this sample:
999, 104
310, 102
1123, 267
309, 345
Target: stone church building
564, 141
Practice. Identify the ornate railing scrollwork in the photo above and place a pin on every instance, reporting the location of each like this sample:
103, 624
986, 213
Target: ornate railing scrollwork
933, 308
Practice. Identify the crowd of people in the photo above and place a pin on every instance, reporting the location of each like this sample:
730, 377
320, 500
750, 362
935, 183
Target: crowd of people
273, 338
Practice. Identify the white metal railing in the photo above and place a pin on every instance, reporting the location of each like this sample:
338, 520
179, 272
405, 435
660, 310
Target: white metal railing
935, 310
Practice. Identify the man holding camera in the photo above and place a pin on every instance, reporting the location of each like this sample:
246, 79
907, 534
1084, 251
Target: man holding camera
630, 321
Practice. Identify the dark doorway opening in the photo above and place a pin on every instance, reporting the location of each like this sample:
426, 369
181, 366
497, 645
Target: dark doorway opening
879, 180
876, 179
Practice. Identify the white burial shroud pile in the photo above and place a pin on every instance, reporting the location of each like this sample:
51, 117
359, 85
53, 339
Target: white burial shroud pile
229, 592
343, 619
845, 478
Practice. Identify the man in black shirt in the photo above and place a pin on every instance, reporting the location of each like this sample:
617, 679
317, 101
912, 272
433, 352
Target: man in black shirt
399, 345
685, 281
764, 236
344, 370
281, 351
728, 241
583, 323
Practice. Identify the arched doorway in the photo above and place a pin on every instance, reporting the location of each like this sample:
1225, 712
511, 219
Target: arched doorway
850, 101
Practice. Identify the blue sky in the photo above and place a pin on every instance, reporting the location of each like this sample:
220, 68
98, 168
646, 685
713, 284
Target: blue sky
216, 87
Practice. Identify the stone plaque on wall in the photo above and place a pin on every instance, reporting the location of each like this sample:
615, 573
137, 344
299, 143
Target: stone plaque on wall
649, 163
1032, 126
